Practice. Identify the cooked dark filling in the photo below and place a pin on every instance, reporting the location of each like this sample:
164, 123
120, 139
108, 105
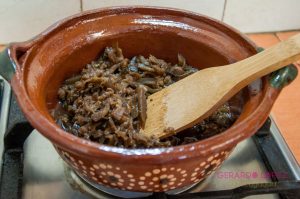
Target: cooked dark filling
106, 102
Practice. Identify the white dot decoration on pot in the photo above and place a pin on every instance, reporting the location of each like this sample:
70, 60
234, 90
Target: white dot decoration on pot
76, 164
101, 173
161, 179
207, 166
158, 179
113, 176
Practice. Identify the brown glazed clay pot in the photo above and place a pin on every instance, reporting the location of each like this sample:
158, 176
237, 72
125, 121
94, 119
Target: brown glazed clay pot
36, 69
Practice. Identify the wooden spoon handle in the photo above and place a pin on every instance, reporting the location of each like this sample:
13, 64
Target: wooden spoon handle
261, 64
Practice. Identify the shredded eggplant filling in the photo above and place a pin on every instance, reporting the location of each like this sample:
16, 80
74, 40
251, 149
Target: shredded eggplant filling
106, 102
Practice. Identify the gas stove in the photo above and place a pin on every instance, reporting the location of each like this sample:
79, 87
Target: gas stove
259, 167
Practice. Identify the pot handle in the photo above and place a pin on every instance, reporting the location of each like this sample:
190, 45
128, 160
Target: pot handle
11, 59
283, 76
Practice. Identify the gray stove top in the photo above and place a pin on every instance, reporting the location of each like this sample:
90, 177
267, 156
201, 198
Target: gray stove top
45, 174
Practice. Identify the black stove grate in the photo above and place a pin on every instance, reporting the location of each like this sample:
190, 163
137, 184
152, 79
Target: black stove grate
289, 188
18, 129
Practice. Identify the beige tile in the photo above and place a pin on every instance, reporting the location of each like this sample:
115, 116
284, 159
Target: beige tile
212, 8
20, 20
263, 15
264, 40
2, 47
286, 111
285, 35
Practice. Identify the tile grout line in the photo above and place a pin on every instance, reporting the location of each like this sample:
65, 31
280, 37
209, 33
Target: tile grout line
81, 5
275, 33
224, 8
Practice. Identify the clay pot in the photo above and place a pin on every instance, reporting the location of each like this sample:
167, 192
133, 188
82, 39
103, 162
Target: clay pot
42, 63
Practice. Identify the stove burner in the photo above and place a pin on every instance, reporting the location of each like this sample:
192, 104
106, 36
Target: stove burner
82, 184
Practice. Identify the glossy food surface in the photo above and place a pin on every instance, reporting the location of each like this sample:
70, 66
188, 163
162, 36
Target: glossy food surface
106, 102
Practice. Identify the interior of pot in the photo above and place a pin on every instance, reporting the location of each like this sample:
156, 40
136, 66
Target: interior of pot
65, 50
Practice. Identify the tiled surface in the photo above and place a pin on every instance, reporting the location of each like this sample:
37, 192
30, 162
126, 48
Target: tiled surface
286, 109
264, 40
263, 15
286, 35
20, 20
212, 8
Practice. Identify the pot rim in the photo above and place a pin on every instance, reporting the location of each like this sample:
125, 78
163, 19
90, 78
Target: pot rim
71, 143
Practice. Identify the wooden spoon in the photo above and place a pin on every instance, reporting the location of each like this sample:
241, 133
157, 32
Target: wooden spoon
192, 99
